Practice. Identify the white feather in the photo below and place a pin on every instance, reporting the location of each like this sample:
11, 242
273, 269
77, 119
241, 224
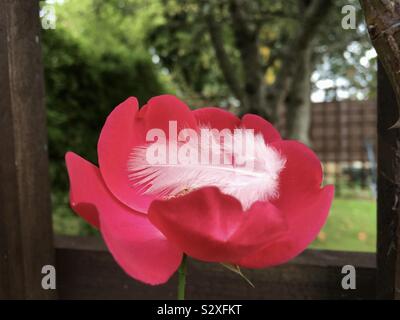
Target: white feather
258, 181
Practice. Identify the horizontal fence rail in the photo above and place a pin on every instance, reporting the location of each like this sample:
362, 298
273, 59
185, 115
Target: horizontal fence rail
86, 270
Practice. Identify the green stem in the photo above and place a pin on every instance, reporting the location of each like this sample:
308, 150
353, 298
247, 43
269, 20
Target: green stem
182, 279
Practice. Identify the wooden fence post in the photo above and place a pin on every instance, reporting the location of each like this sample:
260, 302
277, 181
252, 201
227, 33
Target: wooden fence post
388, 238
26, 239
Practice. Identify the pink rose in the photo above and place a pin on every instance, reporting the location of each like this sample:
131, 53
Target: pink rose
147, 233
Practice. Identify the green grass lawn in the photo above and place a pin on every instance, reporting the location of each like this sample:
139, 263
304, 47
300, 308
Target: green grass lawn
351, 224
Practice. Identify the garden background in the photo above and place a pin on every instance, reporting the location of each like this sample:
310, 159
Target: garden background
273, 58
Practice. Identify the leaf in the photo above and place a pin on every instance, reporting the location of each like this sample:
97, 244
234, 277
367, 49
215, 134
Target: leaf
236, 269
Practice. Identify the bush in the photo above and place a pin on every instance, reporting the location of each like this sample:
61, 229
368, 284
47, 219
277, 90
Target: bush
81, 90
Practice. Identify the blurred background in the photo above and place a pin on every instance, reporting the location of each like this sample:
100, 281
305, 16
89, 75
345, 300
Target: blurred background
290, 61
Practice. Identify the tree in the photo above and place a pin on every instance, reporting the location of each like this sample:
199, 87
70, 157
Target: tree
259, 54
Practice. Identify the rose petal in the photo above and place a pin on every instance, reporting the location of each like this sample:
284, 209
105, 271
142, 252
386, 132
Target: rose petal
302, 174
212, 226
119, 135
125, 129
81, 195
310, 218
216, 118
252, 121
302, 201
138, 247
163, 109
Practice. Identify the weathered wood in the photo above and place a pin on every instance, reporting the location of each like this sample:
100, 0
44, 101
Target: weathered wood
25, 218
87, 271
388, 237
383, 22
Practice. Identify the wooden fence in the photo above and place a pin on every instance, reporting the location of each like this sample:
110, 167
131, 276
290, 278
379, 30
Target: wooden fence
341, 130
86, 270
344, 136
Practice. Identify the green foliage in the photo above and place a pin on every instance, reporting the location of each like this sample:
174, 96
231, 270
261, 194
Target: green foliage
81, 91
82, 88
183, 45
343, 57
